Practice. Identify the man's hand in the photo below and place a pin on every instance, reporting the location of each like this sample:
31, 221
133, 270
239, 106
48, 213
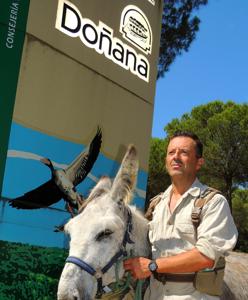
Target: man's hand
138, 267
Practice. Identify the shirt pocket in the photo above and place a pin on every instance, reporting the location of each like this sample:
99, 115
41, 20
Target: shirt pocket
186, 232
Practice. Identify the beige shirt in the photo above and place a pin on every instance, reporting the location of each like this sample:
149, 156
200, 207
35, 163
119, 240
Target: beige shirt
173, 233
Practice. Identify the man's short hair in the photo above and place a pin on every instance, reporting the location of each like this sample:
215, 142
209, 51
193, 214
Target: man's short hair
193, 136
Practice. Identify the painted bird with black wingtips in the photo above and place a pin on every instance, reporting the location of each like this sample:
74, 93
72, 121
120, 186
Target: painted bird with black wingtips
63, 182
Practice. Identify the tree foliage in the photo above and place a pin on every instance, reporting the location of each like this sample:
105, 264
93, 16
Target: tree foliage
29, 272
223, 129
240, 215
179, 27
157, 176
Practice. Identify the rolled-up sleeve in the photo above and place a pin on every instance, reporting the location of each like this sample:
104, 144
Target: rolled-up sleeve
217, 232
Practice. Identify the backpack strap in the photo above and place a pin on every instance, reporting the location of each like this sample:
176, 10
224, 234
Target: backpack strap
153, 203
203, 199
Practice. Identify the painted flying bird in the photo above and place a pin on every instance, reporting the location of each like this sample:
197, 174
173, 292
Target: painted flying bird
63, 182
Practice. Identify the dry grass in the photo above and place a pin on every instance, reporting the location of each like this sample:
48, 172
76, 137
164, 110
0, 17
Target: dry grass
236, 277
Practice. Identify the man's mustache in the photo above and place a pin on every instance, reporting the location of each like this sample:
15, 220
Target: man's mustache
177, 161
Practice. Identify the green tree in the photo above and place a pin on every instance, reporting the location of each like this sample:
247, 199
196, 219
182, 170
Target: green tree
240, 215
158, 179
179, 27
223, 129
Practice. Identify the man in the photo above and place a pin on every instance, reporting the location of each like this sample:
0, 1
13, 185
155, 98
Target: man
175, 248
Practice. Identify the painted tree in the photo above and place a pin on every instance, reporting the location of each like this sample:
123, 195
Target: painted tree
179, 28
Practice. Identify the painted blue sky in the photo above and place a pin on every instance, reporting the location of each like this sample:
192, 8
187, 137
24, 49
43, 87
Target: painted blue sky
216, 66
24, 172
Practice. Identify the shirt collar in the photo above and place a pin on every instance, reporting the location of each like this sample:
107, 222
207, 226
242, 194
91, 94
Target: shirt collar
167, 192
196, 188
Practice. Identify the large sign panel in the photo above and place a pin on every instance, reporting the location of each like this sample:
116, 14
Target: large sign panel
78, 79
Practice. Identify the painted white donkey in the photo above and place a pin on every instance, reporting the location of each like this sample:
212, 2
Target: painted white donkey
104, 231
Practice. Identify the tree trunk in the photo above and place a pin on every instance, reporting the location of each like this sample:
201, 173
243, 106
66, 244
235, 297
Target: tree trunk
228, 191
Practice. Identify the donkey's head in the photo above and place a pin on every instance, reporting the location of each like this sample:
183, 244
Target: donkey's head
97, 234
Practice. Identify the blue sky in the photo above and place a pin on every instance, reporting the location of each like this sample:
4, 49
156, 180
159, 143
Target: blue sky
215, 67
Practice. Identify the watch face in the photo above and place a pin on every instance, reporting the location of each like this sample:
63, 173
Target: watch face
153, 266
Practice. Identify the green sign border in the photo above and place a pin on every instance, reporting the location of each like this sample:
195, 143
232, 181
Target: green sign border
13, 21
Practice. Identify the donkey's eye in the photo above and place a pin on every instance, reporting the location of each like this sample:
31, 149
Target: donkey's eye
103, 234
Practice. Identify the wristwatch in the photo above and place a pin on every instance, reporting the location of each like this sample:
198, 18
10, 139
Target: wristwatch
153, 266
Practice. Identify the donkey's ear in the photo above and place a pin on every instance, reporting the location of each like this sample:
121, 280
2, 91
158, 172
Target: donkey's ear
103, 186
125, 179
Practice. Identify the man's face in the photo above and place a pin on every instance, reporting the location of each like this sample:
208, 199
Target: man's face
181, 158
